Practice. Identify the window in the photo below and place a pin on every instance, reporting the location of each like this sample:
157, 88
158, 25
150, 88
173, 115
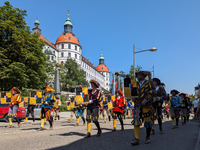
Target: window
62, 46
75, 47
76, 56
62, 54
69, 55
69, 46
62, 63
69, 38
51, 57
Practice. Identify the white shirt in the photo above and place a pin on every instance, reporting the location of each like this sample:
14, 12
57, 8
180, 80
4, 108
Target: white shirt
141, 83
196, 103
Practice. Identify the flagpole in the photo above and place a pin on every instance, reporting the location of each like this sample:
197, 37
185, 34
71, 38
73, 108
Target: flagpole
114, 86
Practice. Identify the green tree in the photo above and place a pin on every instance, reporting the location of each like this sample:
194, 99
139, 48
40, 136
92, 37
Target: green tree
22, 62
131, 72
73, 75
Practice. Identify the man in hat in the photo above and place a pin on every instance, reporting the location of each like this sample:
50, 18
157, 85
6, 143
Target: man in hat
119, 105
56, 108
143, 105
49, 99
183, 108
157, 104
175, 103
73, 110
95, 97
15, 100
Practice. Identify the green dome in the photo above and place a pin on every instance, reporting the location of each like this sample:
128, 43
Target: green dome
36, 21
101, 57
68, 22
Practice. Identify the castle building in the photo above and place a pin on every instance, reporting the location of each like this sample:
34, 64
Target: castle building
68, 46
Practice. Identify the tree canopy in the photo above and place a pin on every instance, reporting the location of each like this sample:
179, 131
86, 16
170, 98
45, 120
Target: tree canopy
22, 63
72, 74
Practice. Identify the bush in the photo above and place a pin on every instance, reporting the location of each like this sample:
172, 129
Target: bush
63, 107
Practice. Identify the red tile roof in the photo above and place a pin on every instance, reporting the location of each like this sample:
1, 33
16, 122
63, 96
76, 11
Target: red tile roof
48, 42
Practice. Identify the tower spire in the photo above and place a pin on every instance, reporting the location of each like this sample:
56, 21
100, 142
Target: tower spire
68, 25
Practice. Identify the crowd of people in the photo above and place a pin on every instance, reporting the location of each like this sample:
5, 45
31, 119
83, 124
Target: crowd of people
151, 103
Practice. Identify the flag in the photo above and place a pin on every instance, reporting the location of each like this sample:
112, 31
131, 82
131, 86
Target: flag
6, 97
82, 94
36, 97
114, 81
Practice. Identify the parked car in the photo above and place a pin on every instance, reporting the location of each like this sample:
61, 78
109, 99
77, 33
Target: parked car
37, 111
4, 108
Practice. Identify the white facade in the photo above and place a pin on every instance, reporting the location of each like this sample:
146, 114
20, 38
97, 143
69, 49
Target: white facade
62, 51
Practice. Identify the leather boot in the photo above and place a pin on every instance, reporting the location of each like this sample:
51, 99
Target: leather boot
10, 126
99, 133
135, 142
87, 135
40, 129
147, 140
114, 129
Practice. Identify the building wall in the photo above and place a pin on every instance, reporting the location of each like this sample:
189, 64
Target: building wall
91, 73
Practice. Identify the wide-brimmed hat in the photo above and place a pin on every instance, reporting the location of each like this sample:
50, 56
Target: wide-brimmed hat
163, 84
174, 91
95, 82
157, 80
182, 94
145, 73
14, 88
120, 91
49, 89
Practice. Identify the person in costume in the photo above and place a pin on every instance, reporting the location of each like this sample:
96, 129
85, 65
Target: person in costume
118, 110
56, 108
143, 105
80, 113
166, 110
175, 103
157, 104
95, 97
183, 108
30, 110
15, 100
73, 112
106, 110
188, 108
48, 100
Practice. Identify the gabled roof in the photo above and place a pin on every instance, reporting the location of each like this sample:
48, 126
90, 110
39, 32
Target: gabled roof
48, 42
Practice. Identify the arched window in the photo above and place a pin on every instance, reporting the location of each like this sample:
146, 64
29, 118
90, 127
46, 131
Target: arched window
62, 54
69, 38
76, 56
75, 47
62, 63
69, 46
62, 46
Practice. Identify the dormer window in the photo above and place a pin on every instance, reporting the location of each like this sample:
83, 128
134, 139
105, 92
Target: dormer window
69, 38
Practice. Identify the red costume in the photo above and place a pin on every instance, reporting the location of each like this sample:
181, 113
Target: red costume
119, 103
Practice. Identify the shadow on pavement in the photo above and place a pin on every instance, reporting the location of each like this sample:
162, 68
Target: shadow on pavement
30, 129
70, 134
183, 138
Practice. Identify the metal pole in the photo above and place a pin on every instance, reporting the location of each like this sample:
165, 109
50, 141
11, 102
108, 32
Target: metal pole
153, 70
134, 59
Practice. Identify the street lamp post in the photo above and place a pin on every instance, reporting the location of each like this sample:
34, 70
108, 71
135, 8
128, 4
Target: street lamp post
152, 50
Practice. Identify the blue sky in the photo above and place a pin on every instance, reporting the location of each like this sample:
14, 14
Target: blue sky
113, 26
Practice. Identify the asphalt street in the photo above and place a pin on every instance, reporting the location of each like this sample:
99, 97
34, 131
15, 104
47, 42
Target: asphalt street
66, 136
